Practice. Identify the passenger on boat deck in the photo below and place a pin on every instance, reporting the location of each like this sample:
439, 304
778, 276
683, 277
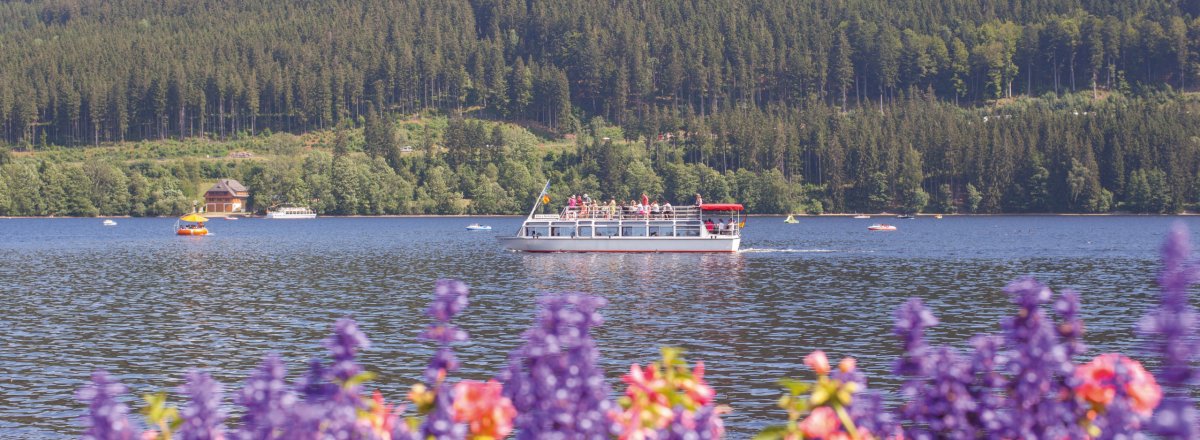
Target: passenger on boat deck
720, 226
586, 200
645, 200
668, 211
612, 208
656, 209
699, 200
708, 224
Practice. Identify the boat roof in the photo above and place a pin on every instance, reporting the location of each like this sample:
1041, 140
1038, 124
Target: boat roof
721, 207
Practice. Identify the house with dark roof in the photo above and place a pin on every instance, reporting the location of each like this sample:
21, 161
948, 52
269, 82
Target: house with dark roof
227, 195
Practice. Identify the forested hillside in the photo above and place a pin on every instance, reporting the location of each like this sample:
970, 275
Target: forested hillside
858, 105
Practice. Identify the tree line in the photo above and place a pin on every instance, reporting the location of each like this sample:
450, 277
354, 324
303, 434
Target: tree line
89, 71
920, 154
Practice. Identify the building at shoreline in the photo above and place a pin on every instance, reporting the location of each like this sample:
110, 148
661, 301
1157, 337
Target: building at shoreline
227, 195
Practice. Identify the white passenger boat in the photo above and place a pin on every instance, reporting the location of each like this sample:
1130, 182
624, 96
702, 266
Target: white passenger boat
478, 227
713, 227
291, 212
109, 222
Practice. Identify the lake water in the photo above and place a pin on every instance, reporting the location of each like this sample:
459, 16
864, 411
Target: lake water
146, 305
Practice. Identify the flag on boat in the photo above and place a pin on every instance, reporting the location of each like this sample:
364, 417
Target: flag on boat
545, 197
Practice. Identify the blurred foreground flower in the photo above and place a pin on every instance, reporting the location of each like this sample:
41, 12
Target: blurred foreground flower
666, 393
480, 404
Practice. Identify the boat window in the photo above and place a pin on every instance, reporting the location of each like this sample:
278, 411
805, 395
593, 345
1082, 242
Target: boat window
688, 230
606, 230
633, 230
585, 231
537, 231
666, 230
561, 231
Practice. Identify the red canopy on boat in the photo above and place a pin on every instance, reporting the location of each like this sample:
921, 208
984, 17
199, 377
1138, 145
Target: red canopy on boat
721, 207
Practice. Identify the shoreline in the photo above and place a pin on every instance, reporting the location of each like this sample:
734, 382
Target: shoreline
846, 215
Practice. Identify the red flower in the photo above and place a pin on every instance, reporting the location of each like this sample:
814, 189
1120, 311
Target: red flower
1098, 380
481, 405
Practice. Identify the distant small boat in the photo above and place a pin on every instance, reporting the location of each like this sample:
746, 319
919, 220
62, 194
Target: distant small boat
230, 218
881, 227
905, 216
109, 222
478, 227
791, 219
862, 216
939, 216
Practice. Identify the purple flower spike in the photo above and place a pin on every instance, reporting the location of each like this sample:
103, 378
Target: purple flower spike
1071, 328
267, 400
345, 342
553, 380
202, 418
440, 424
1172, 331
107, 419
449, 298
1039, 366
911, 321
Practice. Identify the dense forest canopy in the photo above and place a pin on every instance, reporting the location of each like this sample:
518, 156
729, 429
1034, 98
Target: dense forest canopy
856, 105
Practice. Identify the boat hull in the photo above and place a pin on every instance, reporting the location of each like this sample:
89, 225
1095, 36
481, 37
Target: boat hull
622, 244
198, 231
278, 216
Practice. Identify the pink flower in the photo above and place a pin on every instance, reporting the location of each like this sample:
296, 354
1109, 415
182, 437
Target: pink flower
1098, 383
821, 423
696, 388
847, 364
818, 362
483, 408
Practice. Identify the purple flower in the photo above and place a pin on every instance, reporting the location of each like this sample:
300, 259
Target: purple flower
1037, 366
449, 298
267, 400
1172, 331
203, 418
705, 424
107, 419
911, 321
553, 380
440, 423
1071, 327
313, 386
345, 342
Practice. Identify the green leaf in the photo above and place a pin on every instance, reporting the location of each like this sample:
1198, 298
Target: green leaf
771, 433
796, 387
358, 379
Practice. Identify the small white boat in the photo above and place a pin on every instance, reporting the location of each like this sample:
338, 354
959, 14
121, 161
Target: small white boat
862, 216
881, 227
478, 227
230, 218
109, 222
291, 212
791, 219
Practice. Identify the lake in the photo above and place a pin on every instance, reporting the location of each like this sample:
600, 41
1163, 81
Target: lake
147, 305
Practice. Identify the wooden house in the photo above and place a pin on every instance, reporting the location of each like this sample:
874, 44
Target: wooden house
227, 195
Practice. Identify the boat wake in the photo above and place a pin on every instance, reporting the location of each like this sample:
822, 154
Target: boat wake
789, 250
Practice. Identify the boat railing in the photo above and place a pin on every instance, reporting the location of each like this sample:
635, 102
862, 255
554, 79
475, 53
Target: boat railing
606, 212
